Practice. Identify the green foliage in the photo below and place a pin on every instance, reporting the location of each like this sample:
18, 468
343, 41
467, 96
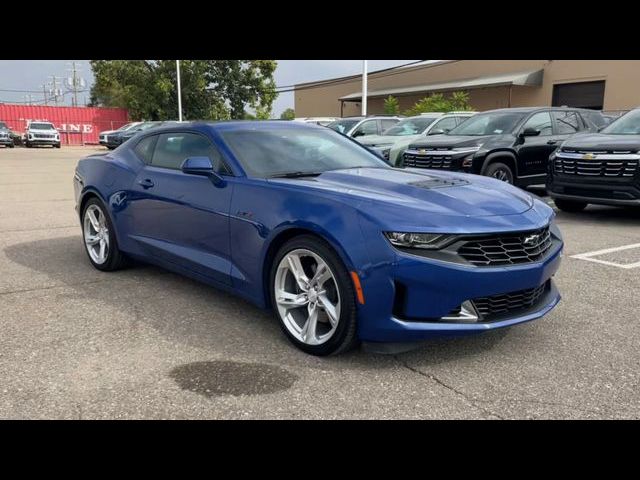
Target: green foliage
391, 106
211, 89
437, 102
288, 114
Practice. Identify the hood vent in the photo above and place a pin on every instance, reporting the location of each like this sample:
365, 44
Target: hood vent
439, 183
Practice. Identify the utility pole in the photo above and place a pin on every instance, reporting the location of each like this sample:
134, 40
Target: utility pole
364, 88
74, 82
179, 91
55, 91
44, 91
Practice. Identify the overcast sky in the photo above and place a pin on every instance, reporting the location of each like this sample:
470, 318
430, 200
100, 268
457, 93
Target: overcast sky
28, 76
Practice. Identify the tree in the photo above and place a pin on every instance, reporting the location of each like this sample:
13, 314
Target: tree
391, 105
437, 102
211, 89
288, 114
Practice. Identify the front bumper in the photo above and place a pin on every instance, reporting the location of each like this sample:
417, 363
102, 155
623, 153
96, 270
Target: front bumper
596, 191
6, 141
431, 289
44, 141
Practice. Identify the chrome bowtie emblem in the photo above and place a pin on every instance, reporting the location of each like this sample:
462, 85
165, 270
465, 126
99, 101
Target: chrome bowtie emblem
588, 156
531, 239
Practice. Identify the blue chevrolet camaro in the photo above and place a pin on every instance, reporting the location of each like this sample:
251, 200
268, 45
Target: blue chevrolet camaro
300, 219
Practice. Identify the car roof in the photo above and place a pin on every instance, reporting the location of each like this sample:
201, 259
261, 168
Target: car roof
229, 125
529, 109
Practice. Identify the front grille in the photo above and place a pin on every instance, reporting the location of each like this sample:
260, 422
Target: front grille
603, 164
427, 161
43, 135
508, 302
507, 249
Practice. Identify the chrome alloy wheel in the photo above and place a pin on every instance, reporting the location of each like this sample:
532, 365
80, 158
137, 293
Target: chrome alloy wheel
96, 234
307, 297
501, 175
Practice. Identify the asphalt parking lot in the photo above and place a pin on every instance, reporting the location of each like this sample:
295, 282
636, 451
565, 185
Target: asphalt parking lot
145, 343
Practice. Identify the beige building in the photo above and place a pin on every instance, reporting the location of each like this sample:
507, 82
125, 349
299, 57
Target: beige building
610, 85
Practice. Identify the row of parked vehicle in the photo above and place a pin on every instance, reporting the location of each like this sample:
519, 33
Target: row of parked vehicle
577, 153
38, 132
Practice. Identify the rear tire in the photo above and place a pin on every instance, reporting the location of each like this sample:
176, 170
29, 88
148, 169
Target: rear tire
28, 145
500, 171
101, 229
571, 206
335, 295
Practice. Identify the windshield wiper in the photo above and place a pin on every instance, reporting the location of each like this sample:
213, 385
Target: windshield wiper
295, 174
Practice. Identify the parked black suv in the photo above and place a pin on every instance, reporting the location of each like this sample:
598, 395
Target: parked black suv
600, 168
510, 144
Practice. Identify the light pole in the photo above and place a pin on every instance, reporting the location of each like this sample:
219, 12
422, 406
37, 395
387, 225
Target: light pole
179, 91
364, 88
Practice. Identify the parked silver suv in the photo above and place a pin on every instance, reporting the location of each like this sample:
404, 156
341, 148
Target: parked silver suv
361, 126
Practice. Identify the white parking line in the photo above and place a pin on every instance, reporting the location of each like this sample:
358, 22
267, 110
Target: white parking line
589, 256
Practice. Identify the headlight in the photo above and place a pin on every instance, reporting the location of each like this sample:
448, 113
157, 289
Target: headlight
467, 149
430, 241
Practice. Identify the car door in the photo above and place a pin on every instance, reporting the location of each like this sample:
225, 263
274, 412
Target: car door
533, 151
179, 218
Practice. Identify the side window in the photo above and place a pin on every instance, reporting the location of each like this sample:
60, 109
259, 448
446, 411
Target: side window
144, 148
567, 123
445, 124
540, 121
388, 124
369, 127
173, 148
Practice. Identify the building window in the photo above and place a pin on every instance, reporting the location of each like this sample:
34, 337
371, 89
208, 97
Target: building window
579, 95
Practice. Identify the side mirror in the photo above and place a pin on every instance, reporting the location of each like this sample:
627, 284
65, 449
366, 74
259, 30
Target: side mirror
201, 166
437, 131
530, 132
358, 133
600, 128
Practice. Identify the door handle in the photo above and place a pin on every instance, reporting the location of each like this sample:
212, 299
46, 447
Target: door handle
552, 142
146, 183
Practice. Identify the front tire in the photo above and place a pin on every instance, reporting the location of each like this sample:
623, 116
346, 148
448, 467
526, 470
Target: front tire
99, 238
500, 171
313, 297
571, 206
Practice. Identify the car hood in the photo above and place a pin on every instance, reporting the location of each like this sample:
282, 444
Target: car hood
602, 141
50, 132
107, 132
414, 192
373, 140
451, 141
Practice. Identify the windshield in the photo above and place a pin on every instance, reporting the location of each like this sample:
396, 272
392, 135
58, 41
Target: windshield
41, 126
410, 126
278, 151
126, 127
3, 126
342, 126
488, 124
628, 124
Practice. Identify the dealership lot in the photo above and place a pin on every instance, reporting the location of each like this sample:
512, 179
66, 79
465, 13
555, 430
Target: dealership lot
145, 343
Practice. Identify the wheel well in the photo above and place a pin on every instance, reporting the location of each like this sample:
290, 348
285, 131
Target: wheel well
508, 160
275, 245
88, 196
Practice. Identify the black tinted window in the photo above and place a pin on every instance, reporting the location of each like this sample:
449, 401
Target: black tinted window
173, 148
144, 148
540, 121
567, 123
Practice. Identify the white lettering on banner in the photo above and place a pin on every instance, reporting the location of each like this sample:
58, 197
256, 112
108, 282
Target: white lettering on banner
87, 128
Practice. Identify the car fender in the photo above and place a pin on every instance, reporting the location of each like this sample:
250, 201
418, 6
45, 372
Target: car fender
494, 156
